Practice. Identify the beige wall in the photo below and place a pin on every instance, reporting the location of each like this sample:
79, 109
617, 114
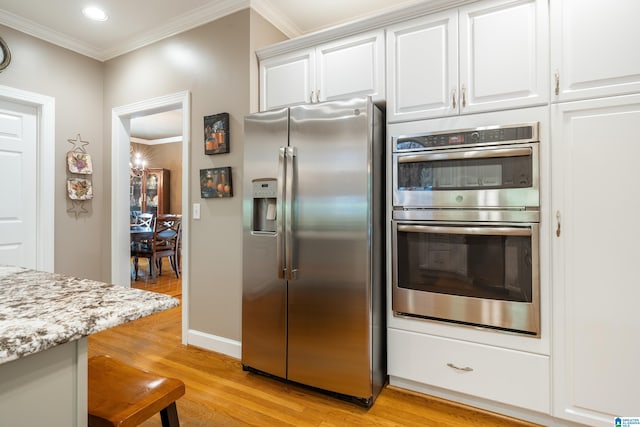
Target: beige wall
166, 156
75, 82
217, 65
214, 65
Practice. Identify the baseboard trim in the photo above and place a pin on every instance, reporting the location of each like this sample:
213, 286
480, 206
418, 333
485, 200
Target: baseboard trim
215, 343
480, 403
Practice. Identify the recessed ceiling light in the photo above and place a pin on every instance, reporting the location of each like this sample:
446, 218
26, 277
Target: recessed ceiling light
95, 13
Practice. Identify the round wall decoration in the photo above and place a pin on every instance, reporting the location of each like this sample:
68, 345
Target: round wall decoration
5, 55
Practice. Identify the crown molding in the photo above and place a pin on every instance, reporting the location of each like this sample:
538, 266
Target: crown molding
276, 17
179, 24
222, 8
44, 33
159, 141
375, 22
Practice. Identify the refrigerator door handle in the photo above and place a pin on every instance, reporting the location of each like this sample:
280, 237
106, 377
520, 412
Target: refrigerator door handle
280, 211
289, 248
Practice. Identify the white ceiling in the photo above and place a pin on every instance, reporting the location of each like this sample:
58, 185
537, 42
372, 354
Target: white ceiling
135, 23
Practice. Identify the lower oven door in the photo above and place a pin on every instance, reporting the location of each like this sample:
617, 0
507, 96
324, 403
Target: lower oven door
483, 274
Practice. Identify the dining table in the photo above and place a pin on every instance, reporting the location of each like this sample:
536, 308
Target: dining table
140, 233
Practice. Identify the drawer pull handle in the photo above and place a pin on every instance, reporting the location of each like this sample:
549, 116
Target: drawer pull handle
457, 368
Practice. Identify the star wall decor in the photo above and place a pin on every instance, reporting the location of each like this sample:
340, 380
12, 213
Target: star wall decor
77, 208
78, 144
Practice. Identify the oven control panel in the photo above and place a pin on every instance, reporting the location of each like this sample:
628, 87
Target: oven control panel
469, 137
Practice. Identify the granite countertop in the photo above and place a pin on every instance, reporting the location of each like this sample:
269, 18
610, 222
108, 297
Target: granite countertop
39, 310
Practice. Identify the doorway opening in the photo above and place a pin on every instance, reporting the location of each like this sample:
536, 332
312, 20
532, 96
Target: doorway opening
120, 183
156, 174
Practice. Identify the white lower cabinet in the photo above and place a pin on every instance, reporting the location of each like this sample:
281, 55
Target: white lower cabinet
48, 388
503, 375
595, 278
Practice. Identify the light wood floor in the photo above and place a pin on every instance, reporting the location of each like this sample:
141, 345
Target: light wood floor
220, 393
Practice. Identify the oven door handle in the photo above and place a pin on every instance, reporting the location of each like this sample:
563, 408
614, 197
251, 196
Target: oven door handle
476, 231
469, 154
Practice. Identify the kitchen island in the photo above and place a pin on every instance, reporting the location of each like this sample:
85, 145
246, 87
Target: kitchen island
45, 319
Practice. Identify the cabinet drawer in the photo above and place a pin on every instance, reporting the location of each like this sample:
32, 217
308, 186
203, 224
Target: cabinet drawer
503, 375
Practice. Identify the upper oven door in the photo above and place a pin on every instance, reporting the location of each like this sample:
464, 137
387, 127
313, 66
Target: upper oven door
500, 176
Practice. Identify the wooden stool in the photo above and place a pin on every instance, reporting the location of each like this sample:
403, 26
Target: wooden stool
123, 396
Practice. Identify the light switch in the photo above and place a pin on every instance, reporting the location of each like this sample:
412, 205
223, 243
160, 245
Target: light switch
196, 211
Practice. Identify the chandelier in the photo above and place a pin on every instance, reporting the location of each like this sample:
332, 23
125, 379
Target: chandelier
136, 165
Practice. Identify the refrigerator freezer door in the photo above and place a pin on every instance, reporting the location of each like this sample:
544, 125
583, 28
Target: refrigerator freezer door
264, 297
329, 317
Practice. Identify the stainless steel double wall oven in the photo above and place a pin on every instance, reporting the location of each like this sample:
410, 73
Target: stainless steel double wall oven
465, 225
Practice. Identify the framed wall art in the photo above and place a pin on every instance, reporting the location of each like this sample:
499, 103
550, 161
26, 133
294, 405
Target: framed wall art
216, 183
216, 134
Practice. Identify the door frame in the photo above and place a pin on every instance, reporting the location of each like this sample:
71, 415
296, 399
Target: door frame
120, 143
45, 159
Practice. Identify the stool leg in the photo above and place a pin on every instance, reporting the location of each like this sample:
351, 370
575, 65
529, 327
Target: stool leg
169, 416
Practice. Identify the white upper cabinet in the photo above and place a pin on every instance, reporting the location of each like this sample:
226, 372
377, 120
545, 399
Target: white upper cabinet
287, 79
503, 55
595, 257
349, 67
594, 50
422, 67
489, 55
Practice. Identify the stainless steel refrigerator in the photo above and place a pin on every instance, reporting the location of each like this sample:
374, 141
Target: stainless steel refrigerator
313, 264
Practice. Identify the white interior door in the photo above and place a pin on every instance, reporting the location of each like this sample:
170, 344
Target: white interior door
18, 177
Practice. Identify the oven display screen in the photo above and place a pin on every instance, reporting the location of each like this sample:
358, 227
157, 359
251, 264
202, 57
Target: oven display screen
456, 139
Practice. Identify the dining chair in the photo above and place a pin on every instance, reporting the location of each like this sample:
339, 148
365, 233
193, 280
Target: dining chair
175, 259
145, 220
164, 243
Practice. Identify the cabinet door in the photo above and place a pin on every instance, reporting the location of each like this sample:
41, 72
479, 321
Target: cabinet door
595, 282
152, 186
422, 68
594, 48
135, 195
351, 67
503, 55
287, 79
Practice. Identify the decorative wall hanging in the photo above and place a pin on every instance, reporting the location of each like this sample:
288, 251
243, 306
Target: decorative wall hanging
79, 190
216, 183
79, 162
5, 55
216, 134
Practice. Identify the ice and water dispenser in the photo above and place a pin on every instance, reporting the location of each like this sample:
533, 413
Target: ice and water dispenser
264, 205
